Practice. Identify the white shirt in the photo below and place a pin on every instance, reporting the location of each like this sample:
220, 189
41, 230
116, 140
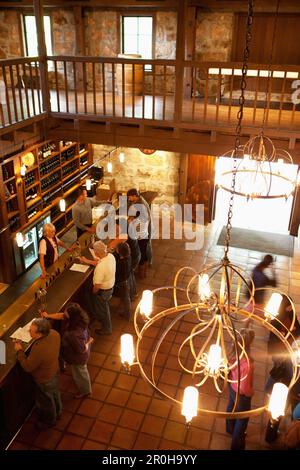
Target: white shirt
105, 272
43, 248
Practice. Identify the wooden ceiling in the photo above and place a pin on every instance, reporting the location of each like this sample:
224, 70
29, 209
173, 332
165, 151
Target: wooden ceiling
286, 6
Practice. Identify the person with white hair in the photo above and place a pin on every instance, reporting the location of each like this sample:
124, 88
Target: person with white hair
103, 283
48, 248
42, 364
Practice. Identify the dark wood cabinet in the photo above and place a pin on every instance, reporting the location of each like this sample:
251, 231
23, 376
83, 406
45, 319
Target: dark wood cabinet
31, 184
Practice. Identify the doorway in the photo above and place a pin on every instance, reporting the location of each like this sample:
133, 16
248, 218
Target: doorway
268, 215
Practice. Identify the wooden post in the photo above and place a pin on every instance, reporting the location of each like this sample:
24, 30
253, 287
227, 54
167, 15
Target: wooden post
80, 44
183, 172
180, 57
190, 50
38, 11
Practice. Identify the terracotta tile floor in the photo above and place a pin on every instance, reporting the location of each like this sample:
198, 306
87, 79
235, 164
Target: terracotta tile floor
124, 412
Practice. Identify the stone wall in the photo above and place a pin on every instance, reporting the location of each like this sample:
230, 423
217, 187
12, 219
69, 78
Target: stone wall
165, 48
101, 31
63, 43
157, 172
214, 34
10, 41
101, 35
63, 32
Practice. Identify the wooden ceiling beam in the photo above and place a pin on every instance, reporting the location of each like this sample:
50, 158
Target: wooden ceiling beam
111, 4
260, 6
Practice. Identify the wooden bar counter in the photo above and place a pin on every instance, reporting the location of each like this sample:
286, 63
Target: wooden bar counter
16, 386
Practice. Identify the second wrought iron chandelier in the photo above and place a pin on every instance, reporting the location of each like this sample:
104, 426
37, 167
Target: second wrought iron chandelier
197, 343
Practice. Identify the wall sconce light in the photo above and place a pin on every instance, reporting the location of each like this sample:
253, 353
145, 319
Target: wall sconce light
62, 205
122, 157
88, 184
20, 239
109, 167
23, 170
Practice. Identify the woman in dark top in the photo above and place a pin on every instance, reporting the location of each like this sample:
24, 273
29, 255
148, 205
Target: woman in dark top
76, 342
123, 274
282, 322
121, 237
282, 370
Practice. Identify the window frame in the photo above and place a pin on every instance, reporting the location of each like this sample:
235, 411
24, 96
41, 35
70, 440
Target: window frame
121, 32
25, 44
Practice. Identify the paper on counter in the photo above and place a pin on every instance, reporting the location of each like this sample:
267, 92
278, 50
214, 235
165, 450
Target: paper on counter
80, 268
93, 254
23, 333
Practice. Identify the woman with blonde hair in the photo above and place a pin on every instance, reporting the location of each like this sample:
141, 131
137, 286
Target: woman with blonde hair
48, 248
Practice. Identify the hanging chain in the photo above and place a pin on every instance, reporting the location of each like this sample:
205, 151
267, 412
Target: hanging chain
269, 67
238, 128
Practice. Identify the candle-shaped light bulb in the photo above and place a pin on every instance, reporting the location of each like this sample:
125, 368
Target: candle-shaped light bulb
203, 286
62, 205
23, 170
278, 400
190, 403
280, 165
127, 350
122, 157
272, 307
109, 167
20, 239
88, 184
146, 305
214, 358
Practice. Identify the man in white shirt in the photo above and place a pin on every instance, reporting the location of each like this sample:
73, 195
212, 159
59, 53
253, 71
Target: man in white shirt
103, 283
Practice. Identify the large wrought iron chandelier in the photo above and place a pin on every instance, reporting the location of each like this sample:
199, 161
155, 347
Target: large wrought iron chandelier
200, 336
262, 171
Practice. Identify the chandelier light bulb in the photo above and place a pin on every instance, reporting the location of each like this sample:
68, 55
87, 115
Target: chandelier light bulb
280, 165
190, 403
214, 359
278, 400
127, 350
272, 307
204, 287
88, 184
122, 157
109, 167
62, 205
146, 303
20, 239
23, 170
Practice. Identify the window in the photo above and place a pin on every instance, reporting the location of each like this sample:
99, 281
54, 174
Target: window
31, 45
137, 36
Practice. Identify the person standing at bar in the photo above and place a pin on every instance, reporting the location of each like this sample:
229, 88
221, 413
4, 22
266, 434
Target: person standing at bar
135, 253
48, 248
82, 213
42, 364
142, 221
103, 283
76, 345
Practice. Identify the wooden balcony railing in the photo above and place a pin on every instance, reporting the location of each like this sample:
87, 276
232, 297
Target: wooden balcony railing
20, 90
112, 87
135, 89
215, 92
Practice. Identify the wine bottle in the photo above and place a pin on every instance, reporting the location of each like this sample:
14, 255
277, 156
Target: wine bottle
5, 173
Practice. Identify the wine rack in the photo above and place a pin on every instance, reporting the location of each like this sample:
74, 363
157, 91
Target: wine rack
56, 171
